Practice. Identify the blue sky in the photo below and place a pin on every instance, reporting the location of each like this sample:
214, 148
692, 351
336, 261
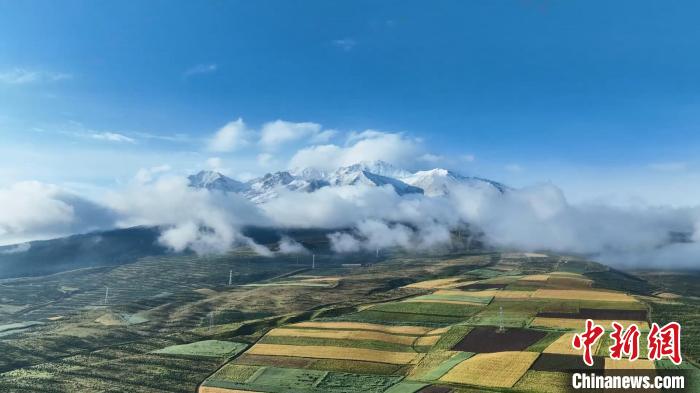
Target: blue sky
600, 98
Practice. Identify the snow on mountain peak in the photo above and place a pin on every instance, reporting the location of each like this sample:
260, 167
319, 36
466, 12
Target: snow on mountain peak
212, 180
434, 182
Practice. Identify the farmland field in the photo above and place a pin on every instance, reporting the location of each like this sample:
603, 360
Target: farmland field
332, 330
501, 369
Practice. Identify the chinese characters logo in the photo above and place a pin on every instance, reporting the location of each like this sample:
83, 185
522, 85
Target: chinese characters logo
662, 342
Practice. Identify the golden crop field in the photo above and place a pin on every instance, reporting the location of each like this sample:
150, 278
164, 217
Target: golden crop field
583, 294
409, 330
321, 352
535, 277
443, 301
575, 324
441, 330
624, 364
506, 294
427, 340
438, 283
500, 369
344, 334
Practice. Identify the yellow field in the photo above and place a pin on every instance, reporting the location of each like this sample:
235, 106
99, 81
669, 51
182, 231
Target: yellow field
442, 330
535, 277
563, 346
501, 369
411, 330
443, 301
624, 364
505, 294
579, 324
344, 335
438, 283
583, 294
207, 389
427, 340
321, 352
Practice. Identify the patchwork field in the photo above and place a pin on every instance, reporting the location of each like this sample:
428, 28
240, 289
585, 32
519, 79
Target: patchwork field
449, 323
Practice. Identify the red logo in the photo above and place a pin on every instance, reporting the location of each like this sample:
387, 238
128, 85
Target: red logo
625, 342
662, 342
587, 339
665, 342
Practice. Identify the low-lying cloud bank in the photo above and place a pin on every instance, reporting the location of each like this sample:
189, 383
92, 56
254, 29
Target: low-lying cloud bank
528, 219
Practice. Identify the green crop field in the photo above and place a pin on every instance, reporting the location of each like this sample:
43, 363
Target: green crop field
213, 348
436, 309
368, 344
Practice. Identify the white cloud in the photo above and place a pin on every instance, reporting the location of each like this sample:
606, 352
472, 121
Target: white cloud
200, 69
194, 219
290, 246
230, 137
22, 76
112, 137
323, 136
276, 133
146, 175
32, 210
369, 145
346, 44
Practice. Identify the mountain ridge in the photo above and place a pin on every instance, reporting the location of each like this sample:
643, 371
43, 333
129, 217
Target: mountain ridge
432, 183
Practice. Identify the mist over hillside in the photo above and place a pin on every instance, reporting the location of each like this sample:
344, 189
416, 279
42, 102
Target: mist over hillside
358, 210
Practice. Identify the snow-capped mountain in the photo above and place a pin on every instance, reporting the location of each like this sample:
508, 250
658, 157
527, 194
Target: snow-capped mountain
432, 183
212, 180
267, 187
437, 182
357, 174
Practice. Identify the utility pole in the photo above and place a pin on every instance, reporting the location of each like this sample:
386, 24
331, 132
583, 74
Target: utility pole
313, 261
211, 319
106, 295
500, 319
230, 277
